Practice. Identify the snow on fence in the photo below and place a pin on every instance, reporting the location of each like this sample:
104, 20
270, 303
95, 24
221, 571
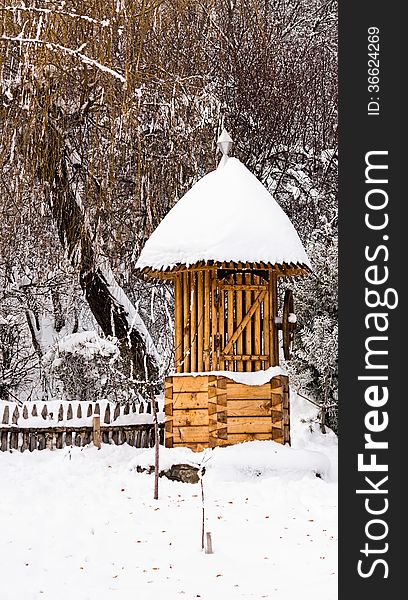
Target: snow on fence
55, 424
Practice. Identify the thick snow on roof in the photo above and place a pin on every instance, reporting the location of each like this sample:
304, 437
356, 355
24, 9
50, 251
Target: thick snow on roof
228, 215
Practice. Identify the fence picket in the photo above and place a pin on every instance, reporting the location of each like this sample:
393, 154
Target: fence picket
6, 416
16, 415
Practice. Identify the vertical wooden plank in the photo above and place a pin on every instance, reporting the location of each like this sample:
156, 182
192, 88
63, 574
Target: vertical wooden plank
207, 293
186, 323
33, 442
49, 440
193, 322
230, 323
214, 323
26, 441
257, 330
266, 334
200, 320
130, 438
239, 315
221, 326
15, 417
41, 440
286, 409
6, 415
14, 440
178, 323
138, 441
273, 312
4, 441
248, 330
87, 437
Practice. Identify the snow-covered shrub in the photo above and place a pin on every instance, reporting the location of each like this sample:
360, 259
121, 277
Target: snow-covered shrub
313, 367
85, 366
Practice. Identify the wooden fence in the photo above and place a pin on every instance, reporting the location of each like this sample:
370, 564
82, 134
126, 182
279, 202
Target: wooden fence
40, 425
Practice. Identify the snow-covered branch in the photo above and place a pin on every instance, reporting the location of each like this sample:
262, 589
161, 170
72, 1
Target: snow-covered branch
59, 48
53, 11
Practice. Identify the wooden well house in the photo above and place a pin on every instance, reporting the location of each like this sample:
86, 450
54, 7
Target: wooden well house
225, 245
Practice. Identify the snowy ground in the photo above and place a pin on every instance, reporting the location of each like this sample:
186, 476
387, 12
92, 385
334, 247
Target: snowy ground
82, 524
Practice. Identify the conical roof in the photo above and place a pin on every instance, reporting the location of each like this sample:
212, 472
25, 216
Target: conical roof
228, 215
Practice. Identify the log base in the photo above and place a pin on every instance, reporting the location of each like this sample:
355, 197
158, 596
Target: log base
206, 411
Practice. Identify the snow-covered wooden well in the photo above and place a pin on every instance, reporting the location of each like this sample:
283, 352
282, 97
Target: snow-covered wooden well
225, 244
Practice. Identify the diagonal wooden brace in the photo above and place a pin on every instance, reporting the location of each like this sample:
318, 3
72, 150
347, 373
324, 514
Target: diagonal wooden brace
245, 320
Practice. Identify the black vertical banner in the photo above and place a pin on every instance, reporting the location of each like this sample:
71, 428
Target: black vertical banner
373, 503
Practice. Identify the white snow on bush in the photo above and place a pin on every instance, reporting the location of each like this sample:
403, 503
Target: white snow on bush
86, 343
228, 215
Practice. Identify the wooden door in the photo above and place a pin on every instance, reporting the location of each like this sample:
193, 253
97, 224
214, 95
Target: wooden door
243, 339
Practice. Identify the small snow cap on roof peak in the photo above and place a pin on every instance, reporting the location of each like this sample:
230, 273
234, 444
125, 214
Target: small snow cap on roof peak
224, 142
